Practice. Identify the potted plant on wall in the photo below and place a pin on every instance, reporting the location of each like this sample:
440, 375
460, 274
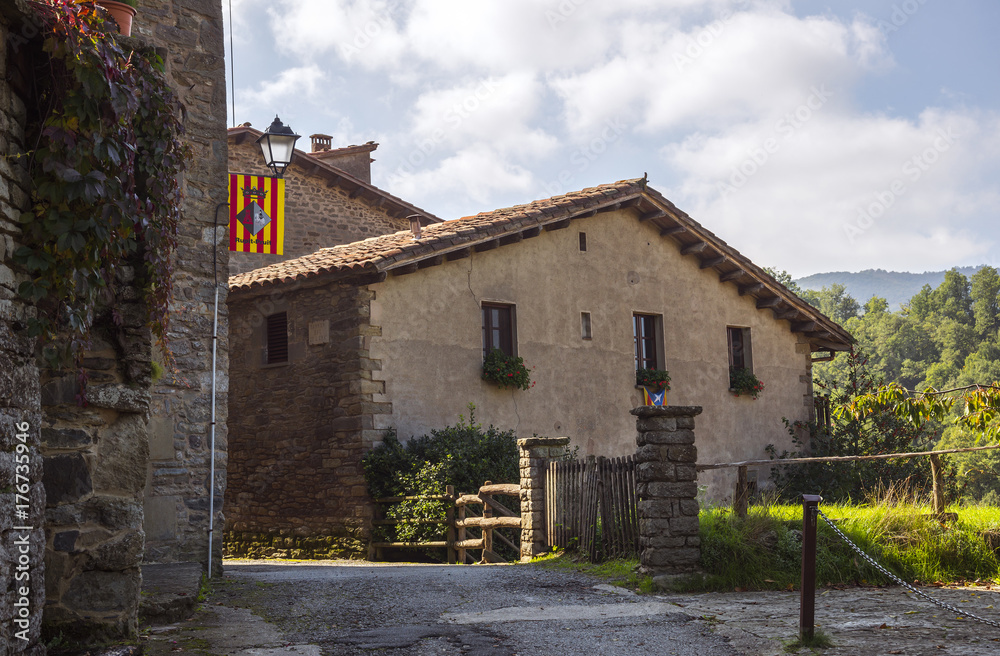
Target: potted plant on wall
743, 382
507, 371
654, 384
122, 12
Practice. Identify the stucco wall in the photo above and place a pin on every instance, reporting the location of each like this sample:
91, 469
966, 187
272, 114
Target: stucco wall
431, 344
316, 215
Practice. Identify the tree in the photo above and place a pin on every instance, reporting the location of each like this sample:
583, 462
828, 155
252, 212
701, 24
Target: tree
986, 301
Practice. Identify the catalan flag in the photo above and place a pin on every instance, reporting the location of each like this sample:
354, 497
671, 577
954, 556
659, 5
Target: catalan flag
256, 214
651, 397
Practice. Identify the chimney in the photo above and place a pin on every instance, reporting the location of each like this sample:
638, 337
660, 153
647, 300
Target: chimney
320, 142
415, 225
355, 160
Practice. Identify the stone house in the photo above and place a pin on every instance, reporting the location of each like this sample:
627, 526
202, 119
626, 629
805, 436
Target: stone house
124, 480
329, 198
391, 331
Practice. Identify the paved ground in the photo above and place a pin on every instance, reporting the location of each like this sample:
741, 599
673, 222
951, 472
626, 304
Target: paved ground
340, 608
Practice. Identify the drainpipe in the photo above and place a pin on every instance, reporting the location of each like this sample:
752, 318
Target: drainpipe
215, 342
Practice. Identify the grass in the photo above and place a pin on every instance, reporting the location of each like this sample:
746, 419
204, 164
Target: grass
764, 550
621, 572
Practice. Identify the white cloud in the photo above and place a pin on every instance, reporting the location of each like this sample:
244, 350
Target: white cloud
475, 173
286, 92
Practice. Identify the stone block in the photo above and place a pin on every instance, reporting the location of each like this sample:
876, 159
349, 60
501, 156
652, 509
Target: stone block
66, 438
655, 508
646, 472
682, 453
684, 526
686, 473
685, 422
689, 507
66, 478
649, 453
97, 592
123, 454
160, 517
120, 398
684, 490
666, 437
656, 424
661, 542
123, 552
161, 438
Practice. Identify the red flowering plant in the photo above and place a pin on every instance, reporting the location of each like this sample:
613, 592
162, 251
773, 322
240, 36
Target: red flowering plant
742, 382
657, 380
507, 371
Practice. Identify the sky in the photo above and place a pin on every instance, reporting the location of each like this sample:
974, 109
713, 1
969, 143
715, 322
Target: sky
810, 135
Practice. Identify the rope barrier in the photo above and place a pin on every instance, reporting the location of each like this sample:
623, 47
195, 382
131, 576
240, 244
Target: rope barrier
960, 613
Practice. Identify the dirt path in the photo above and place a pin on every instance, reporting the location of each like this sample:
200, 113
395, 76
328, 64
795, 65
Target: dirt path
341, 608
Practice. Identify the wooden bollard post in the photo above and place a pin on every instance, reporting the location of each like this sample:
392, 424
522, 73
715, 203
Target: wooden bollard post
741, 498
487, 532
937, 474
460, 556
450, 517
807, 600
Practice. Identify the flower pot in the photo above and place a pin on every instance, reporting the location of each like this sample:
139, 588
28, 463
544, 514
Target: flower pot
121, 12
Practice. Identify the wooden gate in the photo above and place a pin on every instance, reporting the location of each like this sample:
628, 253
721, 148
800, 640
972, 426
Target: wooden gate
591, 506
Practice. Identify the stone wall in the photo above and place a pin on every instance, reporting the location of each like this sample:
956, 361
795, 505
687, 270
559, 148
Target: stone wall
298, 430
316, 214
189, 36
95, 463
535, 453
22, 570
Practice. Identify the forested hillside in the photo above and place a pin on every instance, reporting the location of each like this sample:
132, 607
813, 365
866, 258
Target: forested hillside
896, 287
943, 337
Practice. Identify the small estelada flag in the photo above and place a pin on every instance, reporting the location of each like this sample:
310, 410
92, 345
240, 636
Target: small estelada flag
256, 214
651, 397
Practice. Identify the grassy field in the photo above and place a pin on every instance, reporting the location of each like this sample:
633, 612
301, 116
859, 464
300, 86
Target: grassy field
763, 551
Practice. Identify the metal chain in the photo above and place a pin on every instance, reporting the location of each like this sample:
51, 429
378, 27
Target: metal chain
962, 614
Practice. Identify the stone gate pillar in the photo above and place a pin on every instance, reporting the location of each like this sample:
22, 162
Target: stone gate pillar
535, 454
666, 482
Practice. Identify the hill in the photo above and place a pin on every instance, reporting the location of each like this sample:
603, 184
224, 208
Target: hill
897, 287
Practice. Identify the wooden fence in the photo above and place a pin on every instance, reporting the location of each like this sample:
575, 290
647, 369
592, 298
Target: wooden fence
459, 518
591, 505
741, 495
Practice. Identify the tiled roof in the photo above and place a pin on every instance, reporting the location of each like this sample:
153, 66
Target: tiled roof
401, 253
381, 253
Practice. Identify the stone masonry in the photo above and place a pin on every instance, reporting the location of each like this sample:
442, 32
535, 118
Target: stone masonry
299, 490
317, 215
22, 569
188, 35
95, 463
535, 455
666, 483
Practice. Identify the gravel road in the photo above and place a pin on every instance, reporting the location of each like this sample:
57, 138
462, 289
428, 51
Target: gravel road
337, 608
500, 610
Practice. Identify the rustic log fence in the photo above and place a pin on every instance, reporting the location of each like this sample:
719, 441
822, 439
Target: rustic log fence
459, 518
591, 506
741, 495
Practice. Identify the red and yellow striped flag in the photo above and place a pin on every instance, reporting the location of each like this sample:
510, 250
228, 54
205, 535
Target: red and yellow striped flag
256, 214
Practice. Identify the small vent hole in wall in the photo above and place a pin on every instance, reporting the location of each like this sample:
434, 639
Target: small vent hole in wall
583, 241
585, 325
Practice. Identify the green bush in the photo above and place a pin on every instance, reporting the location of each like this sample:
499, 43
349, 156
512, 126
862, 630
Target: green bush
465, 455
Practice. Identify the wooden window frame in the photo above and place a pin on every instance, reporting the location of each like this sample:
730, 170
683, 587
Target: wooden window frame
276, 338
586, 326
499, 324
740, 347
647, 335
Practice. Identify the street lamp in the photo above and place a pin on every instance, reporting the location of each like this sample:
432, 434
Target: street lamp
277, 144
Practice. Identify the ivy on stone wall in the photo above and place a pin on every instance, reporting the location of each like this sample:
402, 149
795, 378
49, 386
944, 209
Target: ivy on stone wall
105, 175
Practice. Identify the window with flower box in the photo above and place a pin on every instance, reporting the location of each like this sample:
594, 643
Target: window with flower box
498, 328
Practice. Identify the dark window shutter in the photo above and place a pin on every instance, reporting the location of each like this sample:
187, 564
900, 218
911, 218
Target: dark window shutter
277, 338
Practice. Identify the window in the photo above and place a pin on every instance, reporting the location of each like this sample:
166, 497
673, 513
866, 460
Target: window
276, 345
498, 328
740, 354
583, 241
585, 325
646, 333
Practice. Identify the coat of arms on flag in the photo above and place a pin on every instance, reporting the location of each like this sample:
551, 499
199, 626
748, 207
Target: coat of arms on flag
650, 396
256, 214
